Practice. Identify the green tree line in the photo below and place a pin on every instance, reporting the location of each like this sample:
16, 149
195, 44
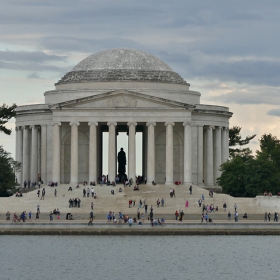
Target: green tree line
8, 166
248, 175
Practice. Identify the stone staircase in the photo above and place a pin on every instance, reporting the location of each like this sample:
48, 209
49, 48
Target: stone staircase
119, 201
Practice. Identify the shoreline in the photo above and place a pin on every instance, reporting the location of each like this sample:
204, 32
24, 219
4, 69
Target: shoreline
171, 228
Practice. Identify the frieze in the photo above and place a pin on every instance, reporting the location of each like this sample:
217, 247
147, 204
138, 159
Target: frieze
122, 101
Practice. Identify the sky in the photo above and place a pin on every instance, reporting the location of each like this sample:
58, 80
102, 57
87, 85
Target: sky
227, 50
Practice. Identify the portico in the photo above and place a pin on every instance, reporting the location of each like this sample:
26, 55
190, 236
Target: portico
61, 140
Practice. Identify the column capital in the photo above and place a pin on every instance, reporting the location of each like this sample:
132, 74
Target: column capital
113, 123
187, 123
169, 123
131, 123
58, 123
209, 126
76, 123
226, 128
33, 126
219, 127
17, 128
93, 123
150, 123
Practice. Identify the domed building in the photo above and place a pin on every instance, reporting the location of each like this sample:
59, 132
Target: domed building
122, 90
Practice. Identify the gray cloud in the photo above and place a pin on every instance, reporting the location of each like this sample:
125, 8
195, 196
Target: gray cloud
244, 71
23, 56
33, 67
33, 75
87, 45
31, 61
274, 112
246, 95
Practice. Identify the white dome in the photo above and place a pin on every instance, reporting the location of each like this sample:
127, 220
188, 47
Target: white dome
121, 65
125, 59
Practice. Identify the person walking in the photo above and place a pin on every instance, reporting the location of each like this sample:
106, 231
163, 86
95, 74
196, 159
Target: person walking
190, 189
55, 193
51, 216
38, 208
91, 205
265, 217
138, 214
229, 216
236, 216
176, 215
30, 216
268, 216
90, 221
37, 216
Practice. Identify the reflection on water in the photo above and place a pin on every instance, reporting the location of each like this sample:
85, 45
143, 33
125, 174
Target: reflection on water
139, 257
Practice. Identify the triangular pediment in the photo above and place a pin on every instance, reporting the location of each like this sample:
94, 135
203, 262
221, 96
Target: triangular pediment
121, 99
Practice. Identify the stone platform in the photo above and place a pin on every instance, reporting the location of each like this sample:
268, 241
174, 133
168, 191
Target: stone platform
105, 202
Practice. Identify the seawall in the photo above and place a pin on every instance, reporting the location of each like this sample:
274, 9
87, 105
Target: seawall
186, 228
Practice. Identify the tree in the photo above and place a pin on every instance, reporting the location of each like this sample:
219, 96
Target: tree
247, 175
235, 139
233, 179
8, 167
6, 113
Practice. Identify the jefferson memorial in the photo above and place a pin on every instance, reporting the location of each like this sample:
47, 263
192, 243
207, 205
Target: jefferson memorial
122, 90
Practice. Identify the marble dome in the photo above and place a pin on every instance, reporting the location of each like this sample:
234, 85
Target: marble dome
122, 65
122, 59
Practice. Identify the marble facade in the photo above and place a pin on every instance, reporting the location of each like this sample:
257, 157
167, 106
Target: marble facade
61, 140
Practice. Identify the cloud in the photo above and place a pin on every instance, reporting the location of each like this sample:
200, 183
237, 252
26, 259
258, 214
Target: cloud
33, 67
244, 71
32, 61
242, 94
24, 56
33, 75
274, 112
86, 45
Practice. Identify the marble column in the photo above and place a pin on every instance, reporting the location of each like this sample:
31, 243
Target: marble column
200, 155
74, 176
132, 150
34, 153
56, 152
19, 147
151, 152
112, 160
187, 152
218, 151
227, 144
225, 151
209, 156
169, 153
92, 151
25, 156
44, 153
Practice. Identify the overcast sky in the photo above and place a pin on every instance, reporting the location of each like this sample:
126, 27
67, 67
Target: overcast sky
227, 50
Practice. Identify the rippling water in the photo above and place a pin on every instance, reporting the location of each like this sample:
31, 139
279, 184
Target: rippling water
135, 257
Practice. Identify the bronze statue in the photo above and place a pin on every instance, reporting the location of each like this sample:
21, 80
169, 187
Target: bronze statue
122, 163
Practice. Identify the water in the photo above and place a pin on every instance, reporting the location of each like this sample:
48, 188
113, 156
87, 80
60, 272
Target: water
135, 257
